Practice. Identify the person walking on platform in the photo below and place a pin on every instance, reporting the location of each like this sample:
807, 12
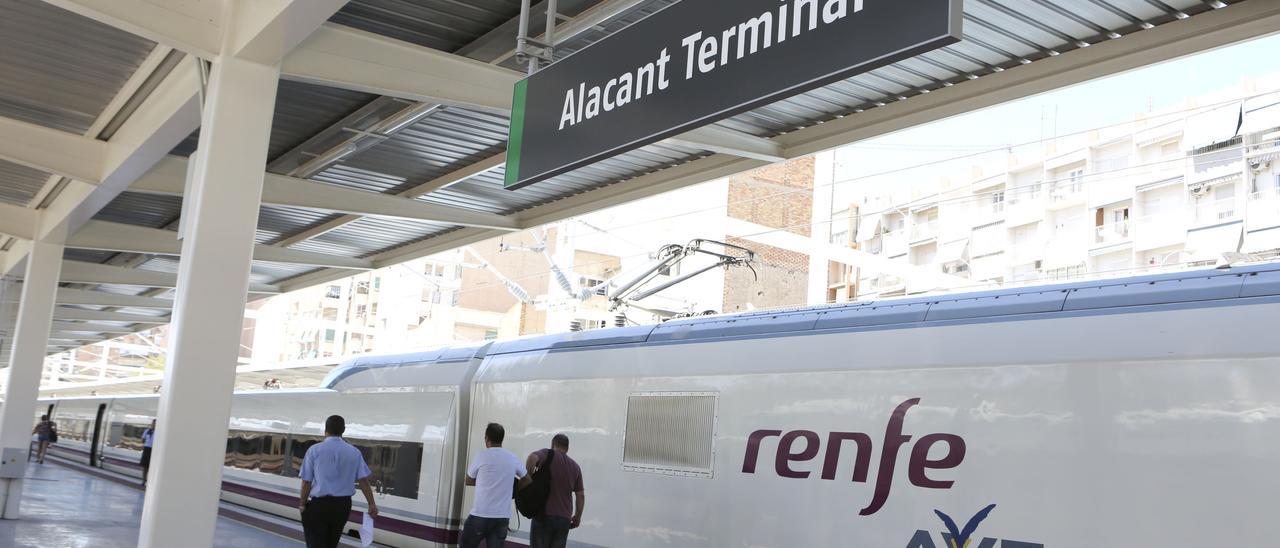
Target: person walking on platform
46, 432
551, 529
492, 473
330, 471
148, 438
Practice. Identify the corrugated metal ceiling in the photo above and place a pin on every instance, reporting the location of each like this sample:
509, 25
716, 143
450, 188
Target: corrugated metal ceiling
19, 184
64, 83
302, 110
60, 69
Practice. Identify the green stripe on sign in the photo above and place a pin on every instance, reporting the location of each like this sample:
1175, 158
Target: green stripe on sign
516, 138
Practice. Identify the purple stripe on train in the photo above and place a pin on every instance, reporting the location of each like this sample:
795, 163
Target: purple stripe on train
388, 524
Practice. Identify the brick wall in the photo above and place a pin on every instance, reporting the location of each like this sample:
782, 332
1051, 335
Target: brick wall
777, 196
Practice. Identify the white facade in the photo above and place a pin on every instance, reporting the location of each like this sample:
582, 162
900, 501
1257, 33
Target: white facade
1167, 192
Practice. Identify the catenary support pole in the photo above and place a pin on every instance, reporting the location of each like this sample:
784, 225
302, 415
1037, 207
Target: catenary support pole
181, 504
26, 361
823, 192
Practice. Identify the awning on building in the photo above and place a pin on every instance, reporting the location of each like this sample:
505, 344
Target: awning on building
1261, 113
1215, 181
1265, 156
1262, 240
1208, 243
1156, 185
869, 226
950, 252
1212, 126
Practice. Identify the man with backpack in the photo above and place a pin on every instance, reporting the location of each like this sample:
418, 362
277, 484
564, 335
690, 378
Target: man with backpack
564, 499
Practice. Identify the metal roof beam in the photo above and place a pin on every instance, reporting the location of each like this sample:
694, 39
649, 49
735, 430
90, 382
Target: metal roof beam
59, 152
93, 273
267, 31
19, 222
193, 27
68, 295
168, 115
123, 238
168, 176
727, 141
63, 328
343, 57
64, 313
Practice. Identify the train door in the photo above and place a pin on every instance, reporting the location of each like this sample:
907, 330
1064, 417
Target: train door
96, 440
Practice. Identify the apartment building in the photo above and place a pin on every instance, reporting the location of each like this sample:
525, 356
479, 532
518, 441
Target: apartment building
1169, 191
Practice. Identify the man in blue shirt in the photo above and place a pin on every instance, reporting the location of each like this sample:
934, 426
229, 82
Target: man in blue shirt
329, 473
148, 439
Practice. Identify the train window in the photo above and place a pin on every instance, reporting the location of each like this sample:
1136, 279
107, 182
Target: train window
394, 466
244, 449
670, 433
273, 453
125, 436
297, 449
74, 429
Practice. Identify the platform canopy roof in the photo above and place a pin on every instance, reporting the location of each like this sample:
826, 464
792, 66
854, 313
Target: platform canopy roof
391, 125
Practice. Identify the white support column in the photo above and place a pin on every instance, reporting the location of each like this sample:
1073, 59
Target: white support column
26, 363
181, 505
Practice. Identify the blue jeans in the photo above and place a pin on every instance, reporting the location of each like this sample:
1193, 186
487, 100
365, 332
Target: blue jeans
549, 532
491, 530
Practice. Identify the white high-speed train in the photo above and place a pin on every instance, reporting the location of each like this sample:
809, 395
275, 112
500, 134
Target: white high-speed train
1118, 413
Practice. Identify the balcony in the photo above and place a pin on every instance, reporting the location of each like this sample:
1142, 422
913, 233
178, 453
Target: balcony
1263, 209
1209, 212
920, 232
895, 243
1066, 193
1111, 234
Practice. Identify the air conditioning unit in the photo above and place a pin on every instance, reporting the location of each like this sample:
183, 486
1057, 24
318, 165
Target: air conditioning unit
1199, 190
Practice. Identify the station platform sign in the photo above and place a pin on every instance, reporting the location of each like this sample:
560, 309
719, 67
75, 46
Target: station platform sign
700, 61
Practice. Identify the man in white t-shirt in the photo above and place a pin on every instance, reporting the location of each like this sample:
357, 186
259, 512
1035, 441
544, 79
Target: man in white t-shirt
492, 473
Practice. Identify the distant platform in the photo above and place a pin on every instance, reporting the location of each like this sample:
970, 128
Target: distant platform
69, 505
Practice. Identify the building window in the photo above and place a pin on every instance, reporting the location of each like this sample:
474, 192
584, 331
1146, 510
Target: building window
490, 334
331, 314
1066, 272
362, 288
1076, 177
333, 292
329, 335
377, 282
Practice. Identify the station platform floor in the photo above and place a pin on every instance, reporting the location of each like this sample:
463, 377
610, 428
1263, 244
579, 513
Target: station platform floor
74, 507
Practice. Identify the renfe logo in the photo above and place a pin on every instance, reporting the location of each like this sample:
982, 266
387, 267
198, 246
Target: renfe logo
894, 440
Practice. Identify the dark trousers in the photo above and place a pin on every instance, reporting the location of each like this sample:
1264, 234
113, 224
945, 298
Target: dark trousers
493, 531
324, 519
549, 532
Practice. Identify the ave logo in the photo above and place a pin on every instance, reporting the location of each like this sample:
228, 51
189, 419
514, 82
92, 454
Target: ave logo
956, 537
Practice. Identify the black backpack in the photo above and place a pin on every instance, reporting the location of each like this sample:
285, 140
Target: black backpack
532, 500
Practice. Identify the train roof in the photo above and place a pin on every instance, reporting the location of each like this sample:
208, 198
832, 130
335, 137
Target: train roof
1159, 289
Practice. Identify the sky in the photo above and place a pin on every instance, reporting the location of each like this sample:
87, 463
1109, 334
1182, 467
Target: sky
1088, 105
